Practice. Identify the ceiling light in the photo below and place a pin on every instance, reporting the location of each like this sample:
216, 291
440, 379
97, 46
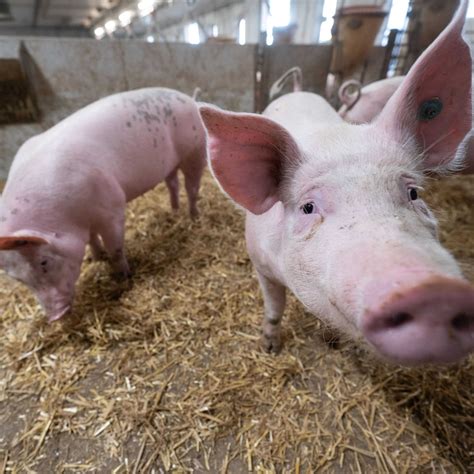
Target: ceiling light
126, 17
99, 32
145, 7
110, 26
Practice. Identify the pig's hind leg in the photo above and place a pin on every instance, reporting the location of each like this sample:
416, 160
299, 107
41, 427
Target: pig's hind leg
274, 298
192, 169
172, 182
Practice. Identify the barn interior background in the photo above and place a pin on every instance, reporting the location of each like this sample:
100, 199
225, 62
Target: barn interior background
165, 373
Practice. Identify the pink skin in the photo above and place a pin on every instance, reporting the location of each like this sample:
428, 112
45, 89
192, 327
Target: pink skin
364, 108
333, 212
69, 186
365, 105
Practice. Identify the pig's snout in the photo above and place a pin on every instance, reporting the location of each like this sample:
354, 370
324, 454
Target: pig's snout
428, 322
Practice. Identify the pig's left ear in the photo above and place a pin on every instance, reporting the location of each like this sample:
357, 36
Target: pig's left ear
20, 242
433, 104
249, 155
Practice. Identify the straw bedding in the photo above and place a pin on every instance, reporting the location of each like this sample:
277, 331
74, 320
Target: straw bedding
164, 373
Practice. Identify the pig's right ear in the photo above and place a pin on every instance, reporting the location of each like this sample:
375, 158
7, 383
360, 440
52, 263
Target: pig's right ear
20, 242
248, 153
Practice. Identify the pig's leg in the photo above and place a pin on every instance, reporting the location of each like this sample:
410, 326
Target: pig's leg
113, 237
192, 170
274, 298
172, 182
97, 249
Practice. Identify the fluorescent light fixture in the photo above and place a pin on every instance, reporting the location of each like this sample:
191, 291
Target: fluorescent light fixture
145, 7
150, 39
126, 17
242, 32
110, 26
99, 32
215, 30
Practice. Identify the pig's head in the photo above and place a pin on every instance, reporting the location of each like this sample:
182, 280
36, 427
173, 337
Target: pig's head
46, 265
359, 246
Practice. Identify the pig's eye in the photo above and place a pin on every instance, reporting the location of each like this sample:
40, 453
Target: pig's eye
413, 194
308, 208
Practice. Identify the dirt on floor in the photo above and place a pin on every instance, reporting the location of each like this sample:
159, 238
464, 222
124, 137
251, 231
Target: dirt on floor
164, 373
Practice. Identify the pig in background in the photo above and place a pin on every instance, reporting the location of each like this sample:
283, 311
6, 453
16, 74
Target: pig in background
334, 211
364, 104
69, 186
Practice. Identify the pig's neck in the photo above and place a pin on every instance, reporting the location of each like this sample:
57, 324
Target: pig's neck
264, 242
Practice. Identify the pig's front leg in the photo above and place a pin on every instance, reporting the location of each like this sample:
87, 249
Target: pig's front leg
113, 238
274, 298
97, 249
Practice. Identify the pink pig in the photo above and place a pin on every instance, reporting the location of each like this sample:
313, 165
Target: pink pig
335, 215
69, 186
367, 102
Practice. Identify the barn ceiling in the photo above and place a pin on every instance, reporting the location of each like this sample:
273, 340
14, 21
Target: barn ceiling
38, 13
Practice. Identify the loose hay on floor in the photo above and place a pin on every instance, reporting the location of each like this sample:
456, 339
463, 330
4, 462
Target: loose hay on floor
165, 372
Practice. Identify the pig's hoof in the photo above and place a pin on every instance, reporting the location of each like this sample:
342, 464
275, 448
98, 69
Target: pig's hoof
123, 275
271, 344
100, 256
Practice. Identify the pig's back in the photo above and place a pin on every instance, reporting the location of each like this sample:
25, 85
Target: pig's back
301, 113
138, 136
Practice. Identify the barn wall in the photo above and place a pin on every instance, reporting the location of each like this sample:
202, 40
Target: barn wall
68, 74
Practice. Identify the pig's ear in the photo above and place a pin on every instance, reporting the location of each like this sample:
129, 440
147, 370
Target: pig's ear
248, 154
19, 242
433, 104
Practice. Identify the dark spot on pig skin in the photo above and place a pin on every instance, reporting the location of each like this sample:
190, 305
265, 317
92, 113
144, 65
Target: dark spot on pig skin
168, 110
155, 144
129, 124
194, 128
14, 211
181, 100
3, 219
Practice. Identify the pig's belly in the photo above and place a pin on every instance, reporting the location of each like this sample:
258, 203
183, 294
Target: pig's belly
143, 171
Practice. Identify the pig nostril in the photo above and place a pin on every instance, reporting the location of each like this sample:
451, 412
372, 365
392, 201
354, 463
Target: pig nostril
398, 320
462, 321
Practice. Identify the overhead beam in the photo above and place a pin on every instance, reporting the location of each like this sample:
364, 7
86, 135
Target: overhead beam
179, 11
169, 15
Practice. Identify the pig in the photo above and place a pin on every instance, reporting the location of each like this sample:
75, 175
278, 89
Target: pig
69, 186
367, 102
334, 210
297, 76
